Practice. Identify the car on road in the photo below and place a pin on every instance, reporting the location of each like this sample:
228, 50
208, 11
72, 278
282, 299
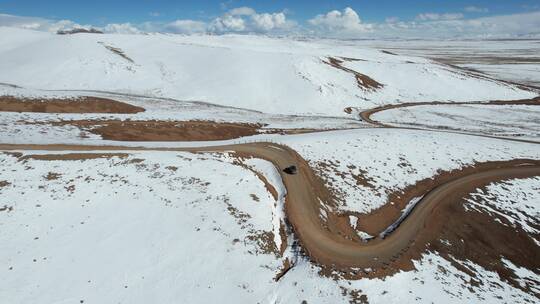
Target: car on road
291, 170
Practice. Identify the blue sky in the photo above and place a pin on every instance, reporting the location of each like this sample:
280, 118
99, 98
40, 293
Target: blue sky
359, 18
99, 12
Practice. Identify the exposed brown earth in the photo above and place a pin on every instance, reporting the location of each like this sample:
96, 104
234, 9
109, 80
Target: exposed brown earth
159, 130
52, 176
376, 221
480, 238
84, 104
286, 267
364, 82
153, 130
4, 183
117, 51
438, 223
439, 215
71, 156
239, 161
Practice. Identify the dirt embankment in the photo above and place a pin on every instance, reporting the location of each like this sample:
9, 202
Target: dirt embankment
364, 82
153, 130
72, 156
159, 130
376, 221
455, 233
84, 104
439, 222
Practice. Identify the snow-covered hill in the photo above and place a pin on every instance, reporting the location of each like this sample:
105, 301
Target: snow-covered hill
271, 75
138, 217
157, 227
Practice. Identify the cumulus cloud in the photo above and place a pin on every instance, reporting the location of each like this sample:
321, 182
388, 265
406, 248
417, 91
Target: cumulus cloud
38, 24
435, 16
268, 22
242, 11
504, 26
121, 28
476, 9
246, 19
338, 23
228, 23
344, 23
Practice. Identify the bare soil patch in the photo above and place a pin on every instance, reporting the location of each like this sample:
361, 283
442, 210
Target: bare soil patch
462, 236
4, 183
378, 220
364, 82
117, 51
239, 161
153, 130
84, 104
480, 237
438, 218
287, 265
6, 208
457, 235
53, 176
71, 156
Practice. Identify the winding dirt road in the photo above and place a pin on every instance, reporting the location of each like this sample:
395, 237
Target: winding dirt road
366, 115
305, 189
306, 192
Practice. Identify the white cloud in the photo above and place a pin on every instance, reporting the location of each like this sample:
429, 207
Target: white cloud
242, 11
476, 9
185, 27
504, 26
338, 23
268, 22
154, 14
228, 23
38, 24
246, 19
121, 28
435, 16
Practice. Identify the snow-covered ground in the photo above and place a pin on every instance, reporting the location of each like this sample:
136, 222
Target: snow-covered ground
271, 75
517, 200
362, 166
156, 227
512, 60
14, 123
149, 226
513, 121
389, 160
521, 72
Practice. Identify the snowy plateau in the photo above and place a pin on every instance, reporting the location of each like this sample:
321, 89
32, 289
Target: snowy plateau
150, 168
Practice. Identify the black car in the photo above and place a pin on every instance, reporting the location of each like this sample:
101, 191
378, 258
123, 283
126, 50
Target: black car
291, 170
